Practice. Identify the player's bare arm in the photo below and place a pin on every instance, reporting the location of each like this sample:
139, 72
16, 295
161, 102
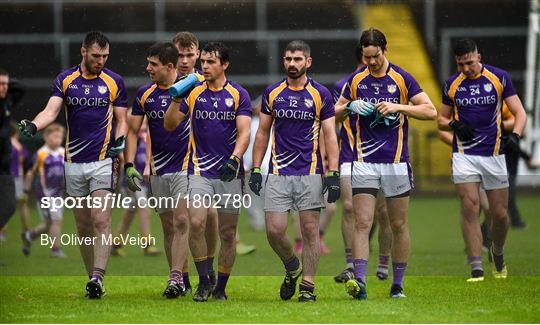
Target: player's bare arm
134, 125
243, 125
444, 118
261, 139
516, 108
340, 108
330, 141
49, 114
173, 116
120, 114
421, 109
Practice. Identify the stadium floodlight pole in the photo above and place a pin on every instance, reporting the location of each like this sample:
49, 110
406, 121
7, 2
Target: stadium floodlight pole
532, 80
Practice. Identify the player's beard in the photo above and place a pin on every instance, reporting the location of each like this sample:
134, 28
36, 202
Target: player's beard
89, 67
295, 74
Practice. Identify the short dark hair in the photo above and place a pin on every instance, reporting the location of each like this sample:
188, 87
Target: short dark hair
3, 72
464, 46
186, 40
166, 52
95, 37
219, 49
373, 37
299, 45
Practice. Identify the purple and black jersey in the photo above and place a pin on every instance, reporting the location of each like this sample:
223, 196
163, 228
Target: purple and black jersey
213, 113
347, 128
88, 107
379, 143
297, 114
479, 103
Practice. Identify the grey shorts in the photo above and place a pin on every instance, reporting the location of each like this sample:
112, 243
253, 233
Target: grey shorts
84, 178
168, 186
393, 179
283, 193
221, 193
19, 187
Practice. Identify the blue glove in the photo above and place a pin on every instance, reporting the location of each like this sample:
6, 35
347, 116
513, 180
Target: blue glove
183, 86
361, 107
117, 147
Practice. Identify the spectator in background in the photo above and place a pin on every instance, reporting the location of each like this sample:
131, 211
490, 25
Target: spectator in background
10, 95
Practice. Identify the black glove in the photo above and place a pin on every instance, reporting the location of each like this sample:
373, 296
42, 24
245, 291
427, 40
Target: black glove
255, 181
27, 128
463, 131
117, 148
511, 145
331, 184
229, 170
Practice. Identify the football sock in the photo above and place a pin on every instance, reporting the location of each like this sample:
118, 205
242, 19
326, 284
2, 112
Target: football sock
210, 261
202, 270
399, 273
185, 279
383, 262
475, 262
291, 264
222, 281
305, 285
176, 276
497, 250
360, 268
348, 258
98, 274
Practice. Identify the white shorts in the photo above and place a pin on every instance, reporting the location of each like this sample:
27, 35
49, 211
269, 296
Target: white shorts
490, 171
168, 186
19, 187
84, 178
393, 179
345, 170
48, 213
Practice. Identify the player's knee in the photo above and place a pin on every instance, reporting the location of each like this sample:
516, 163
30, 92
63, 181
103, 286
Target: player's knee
470, 206
500, 212
101, 226
84, 226
362, 226
381, 214
310, 230
197, 226
228, 236
273, 232
398, 225
181, 223
348, 209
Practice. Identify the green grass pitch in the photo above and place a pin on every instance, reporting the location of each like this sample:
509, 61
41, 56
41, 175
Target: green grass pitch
39, 289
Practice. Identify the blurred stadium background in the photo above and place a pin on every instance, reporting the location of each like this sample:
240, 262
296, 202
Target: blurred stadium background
41, 38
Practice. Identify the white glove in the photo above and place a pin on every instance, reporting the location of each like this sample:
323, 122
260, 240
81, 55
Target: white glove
361, 107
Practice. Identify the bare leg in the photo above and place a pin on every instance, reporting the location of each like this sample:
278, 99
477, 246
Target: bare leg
85, 228
309, 220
